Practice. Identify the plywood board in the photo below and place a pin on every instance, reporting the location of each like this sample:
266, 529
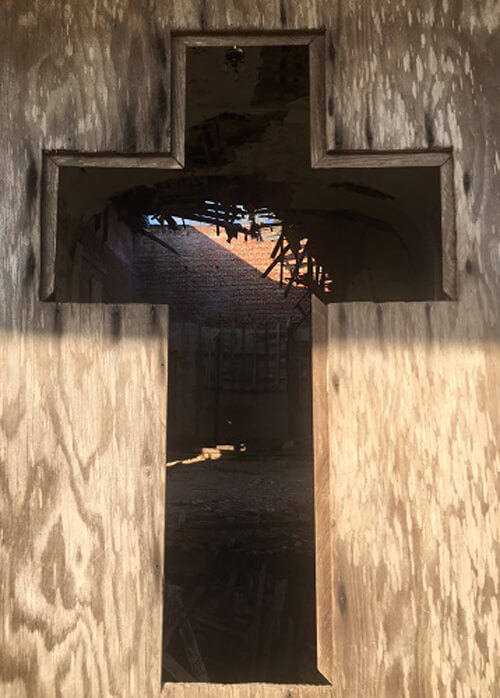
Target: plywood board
249, 690
413, 425
414, 455
82, 492
322, 489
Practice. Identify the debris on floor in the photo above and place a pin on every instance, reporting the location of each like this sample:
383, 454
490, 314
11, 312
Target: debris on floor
240, 597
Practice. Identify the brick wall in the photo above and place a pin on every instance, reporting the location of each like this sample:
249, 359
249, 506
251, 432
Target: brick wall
212, 280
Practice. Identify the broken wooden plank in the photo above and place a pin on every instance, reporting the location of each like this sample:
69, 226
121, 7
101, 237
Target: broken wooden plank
185, 612
296, 270
159, 241
225, 628
175, 670
278, 246
177, 619
276, 261
193, 651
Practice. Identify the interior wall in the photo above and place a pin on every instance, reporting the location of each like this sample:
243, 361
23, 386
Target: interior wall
98, 262
211, 281
205, 408
214, 398
222, 313
417, 561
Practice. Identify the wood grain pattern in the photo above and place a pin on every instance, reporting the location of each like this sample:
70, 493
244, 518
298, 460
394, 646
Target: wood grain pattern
317, 99
415, 448
48, 237
323, 518
249, 690
414, 468
413, 426
145, 160
81, 524
375, 159
448, 230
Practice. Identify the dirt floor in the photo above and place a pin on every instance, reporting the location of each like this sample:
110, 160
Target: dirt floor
240, 570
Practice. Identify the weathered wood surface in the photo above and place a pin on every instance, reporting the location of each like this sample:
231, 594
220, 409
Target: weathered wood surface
414, 453
81, 503
249, 690
322, 487
414, 389
414, 448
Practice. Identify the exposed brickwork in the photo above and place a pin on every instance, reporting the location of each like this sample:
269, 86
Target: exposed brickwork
212, 280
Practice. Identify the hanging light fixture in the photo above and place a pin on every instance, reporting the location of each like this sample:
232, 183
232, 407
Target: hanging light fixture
235, 60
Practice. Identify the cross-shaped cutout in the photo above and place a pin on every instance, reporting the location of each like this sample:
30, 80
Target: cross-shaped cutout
386, 169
